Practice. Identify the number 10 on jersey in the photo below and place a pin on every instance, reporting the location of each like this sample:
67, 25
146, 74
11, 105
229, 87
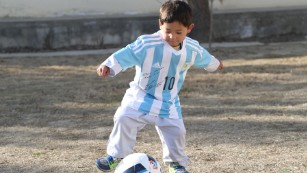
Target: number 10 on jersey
169, 83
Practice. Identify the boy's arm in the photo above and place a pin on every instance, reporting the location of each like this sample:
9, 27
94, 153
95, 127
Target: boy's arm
119, 61
207, 61
214, 65
110, 67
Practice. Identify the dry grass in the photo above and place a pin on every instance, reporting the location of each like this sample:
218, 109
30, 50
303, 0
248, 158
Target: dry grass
56, 114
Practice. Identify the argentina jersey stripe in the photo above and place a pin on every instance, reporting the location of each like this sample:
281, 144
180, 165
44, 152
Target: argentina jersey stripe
169, 82
175, 111
165, 57
189, 61
145, 41
194, 44
146, 80
150, 80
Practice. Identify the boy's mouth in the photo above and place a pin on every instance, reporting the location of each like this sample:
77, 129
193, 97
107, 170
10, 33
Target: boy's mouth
173, 43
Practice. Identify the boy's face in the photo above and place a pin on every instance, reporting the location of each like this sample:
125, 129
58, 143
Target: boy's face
174, 33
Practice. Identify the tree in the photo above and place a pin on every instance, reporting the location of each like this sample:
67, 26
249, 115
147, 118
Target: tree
201, 18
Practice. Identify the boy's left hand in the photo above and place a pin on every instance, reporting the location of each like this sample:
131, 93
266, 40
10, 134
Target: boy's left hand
221, 66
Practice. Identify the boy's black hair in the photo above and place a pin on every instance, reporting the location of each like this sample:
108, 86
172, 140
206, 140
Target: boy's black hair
172, 11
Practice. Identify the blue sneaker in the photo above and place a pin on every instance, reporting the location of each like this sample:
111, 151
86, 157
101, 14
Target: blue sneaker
174, 167
107, 164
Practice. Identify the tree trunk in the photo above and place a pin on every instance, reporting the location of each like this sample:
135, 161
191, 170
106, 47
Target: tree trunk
201, 19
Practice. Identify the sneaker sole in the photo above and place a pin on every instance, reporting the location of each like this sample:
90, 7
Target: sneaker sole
103, 170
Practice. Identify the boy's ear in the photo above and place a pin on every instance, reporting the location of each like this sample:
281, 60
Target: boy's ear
160, 23
190, 27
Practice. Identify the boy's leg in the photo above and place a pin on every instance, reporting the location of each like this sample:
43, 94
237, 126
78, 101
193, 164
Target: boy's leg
123, 136
172, 134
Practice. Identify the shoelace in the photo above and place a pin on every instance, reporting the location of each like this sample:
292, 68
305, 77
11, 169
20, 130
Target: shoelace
111, 162
110, 159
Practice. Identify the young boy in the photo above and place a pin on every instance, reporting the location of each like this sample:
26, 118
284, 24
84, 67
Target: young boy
161, 61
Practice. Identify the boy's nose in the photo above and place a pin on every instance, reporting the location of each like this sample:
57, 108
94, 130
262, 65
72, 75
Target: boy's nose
170, 36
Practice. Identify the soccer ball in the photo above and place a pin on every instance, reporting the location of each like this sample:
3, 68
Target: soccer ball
138, 163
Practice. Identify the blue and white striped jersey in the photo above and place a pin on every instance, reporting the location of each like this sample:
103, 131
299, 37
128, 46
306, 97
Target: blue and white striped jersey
160, 72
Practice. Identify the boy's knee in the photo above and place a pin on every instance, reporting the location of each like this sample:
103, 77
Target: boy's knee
182, 131
121, 119
178, 132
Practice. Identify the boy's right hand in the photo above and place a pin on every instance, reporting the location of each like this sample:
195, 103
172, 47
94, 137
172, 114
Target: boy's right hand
103, 71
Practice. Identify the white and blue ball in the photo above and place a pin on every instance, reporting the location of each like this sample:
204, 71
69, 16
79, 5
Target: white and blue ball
138, 163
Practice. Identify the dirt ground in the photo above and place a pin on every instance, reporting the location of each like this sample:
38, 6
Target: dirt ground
56, 113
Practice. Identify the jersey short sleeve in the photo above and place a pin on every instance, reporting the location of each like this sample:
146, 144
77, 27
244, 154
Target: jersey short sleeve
126, 57
203, 58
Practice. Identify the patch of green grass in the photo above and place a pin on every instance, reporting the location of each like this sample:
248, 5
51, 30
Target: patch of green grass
38, 154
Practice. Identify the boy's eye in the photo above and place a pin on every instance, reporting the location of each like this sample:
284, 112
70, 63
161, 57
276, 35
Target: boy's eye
169, 32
